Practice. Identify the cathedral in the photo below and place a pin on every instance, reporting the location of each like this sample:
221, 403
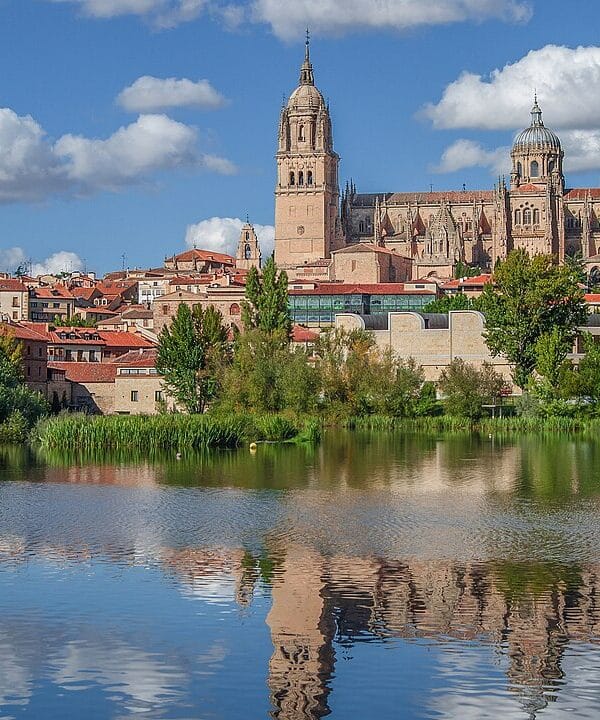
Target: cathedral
315, 228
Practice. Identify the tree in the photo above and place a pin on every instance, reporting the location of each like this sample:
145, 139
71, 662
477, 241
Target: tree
462, 270
266, 304
76, 320
191, 354
466, 388
445, 304
530, 296
11, 359
551, 351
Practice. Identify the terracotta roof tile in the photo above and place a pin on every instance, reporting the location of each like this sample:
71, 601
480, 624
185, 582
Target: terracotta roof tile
90, 372
12, 285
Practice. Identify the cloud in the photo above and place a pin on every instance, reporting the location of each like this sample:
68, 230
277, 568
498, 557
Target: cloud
161, 13
32, 167
567, 82
61, 261
149, 94
467, 153
288, 19
222, 234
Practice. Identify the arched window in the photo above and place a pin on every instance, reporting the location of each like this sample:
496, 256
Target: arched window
551, 166
247, 252
301, 133
536, 217
517, 217
519, 169
309, 178
234, 309
535, 169
247, 237
292, 179
527, 216
300, 178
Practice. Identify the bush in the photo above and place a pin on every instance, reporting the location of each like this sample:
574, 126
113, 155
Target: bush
466, 389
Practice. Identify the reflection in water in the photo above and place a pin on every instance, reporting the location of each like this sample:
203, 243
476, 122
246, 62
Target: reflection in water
461, 575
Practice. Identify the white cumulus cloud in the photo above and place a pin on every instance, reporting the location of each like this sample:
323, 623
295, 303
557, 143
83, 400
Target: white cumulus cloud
288, 19
32, 167
161, 13
467, 153
61, 261
149, 94
567, 81
222, 234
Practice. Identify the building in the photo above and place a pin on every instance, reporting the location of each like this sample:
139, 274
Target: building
432, 340
472, 287
319, 305
227, 299
199, 261
14, 300
35, 354
46, 303
536, 211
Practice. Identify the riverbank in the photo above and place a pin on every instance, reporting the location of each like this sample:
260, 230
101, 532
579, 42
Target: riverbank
169, 432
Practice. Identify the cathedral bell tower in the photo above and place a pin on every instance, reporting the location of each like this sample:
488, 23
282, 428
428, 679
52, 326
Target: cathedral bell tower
306, 193
248, 252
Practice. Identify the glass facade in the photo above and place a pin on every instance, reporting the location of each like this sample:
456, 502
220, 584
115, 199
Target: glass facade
320, 310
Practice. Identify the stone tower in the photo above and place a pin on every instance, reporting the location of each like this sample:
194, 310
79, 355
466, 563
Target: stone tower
248, 251
306, 193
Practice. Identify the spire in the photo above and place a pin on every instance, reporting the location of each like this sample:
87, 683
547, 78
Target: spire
536, 113
306, 71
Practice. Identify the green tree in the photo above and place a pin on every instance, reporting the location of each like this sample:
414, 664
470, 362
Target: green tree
530, 296
466, 389
462, 270
11, 359
551, 352
266, 303
76, 320
445, 304
191, 356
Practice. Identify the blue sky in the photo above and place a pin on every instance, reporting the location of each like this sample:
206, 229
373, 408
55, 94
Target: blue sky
87, 173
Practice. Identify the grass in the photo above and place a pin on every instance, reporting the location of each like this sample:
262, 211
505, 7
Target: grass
166, 432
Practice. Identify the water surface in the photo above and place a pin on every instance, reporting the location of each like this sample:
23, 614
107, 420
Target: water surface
378, 576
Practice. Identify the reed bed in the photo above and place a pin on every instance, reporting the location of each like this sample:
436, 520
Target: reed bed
507, 425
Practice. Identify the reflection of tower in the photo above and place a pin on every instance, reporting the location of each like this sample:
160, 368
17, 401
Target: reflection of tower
248, 252
301, 632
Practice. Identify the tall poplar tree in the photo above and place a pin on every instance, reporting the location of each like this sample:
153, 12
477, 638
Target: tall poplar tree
266, 307
191, 353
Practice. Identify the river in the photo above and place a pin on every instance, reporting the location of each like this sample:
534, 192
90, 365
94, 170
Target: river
373, 576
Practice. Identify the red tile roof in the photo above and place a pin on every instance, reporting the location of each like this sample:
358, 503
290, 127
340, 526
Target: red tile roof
137, 358
20, 332
50, 293
361, 289
114, 338
478, 281
301, 334
581, 193
592, 297
458, 196
82, 372
205, 255
12, 285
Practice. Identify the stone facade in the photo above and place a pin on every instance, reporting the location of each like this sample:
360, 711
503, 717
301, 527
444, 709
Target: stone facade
364, 263
14, 300
248, 252
432, 340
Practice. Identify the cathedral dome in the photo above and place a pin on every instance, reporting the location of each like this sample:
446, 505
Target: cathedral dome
536, 136
306, 97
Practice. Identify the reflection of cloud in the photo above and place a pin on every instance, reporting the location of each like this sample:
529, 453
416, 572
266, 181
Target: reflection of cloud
142, 677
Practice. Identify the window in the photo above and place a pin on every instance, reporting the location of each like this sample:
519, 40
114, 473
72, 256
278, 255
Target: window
301, 178
292, 179
234, 309
517, 217
309, 179
165, 309
536, 217
527, 216
248, 252
29, 349
361, 226
551, 166
535, 169
15, 301
158, 396
301, 133
39, 352
134, 396
15, 315
519, 169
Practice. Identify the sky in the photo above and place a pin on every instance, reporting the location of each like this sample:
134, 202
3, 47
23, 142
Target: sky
132, 129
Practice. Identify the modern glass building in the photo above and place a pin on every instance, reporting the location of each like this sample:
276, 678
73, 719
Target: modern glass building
318, 307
